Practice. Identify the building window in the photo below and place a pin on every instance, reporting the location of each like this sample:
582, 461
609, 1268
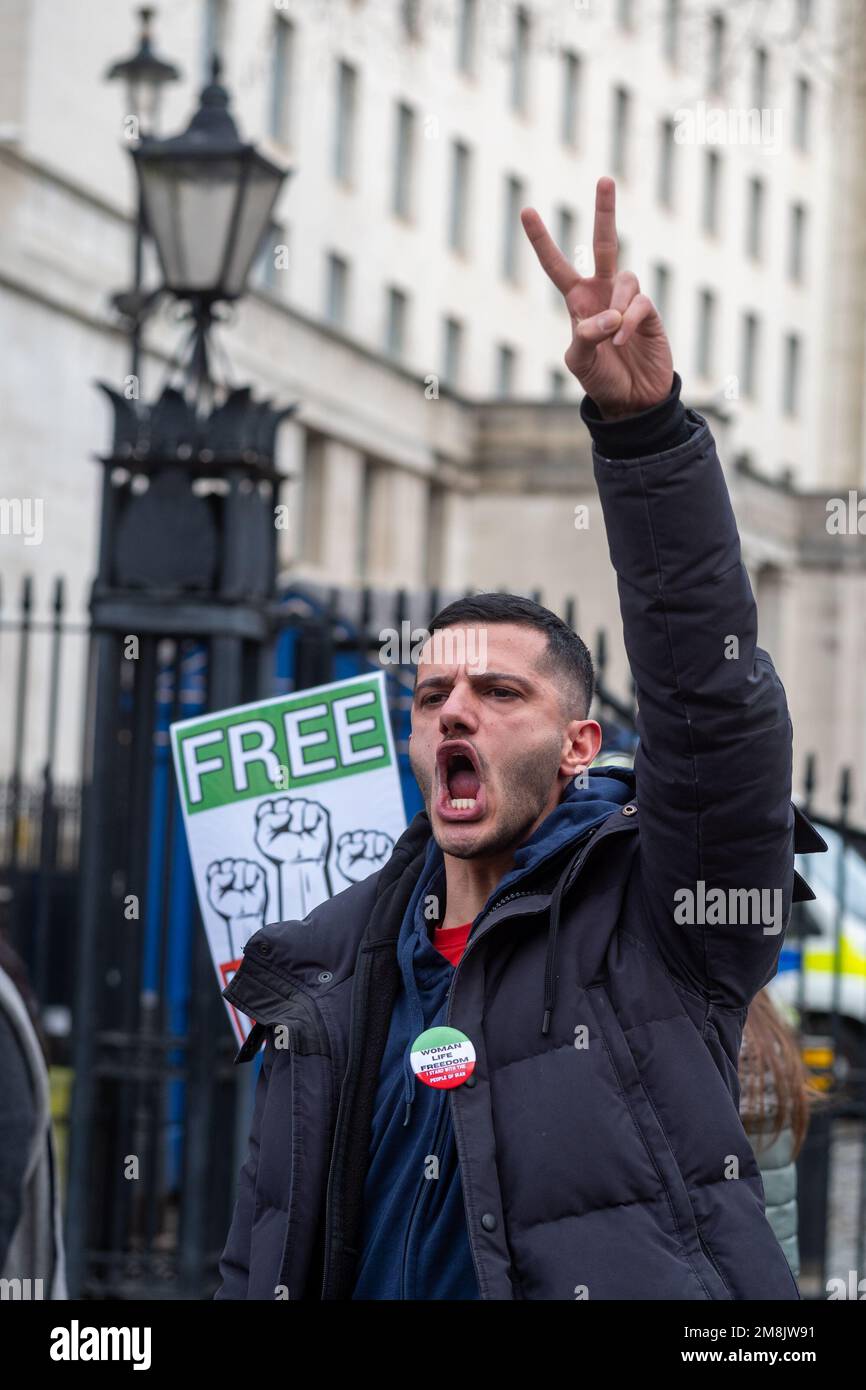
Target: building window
373, 480
452, 352
620, 135
458, 219
282, 80
514, 201
410, 13
760, 78
755, 219
662, 293
566, 231
558, 382
520, 60
797, 243
671, 30
214, 34
571, 82
395, 322
404, 140
506, 369
706, 333
566, 224
272, 262
566, 237
791, 380
344, 122
312, 500
437, 515
336, 290
467, 36
716, 73
749, 357
802, 113
667, 149
712, 187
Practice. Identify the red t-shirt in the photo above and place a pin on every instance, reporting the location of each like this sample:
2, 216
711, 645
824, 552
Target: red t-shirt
451, 941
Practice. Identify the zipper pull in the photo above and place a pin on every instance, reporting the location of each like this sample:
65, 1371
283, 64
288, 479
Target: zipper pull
408, 1113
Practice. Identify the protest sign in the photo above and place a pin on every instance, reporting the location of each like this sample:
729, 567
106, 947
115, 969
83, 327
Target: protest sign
286, 802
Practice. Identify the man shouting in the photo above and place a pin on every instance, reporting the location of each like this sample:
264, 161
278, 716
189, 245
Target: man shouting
504, 1066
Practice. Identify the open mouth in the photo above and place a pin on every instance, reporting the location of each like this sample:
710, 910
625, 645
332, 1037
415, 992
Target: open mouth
461, 794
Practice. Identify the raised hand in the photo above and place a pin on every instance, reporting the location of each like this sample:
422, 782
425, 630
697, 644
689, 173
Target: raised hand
619, 351
362, 852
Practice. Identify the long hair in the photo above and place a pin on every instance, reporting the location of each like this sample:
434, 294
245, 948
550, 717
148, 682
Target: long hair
770, 1054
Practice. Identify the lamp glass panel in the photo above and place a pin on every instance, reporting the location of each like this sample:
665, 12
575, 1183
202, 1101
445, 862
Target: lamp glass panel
190, 207
258, 200
143, 102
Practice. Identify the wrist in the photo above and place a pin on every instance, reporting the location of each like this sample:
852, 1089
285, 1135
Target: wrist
613, 410
652, 430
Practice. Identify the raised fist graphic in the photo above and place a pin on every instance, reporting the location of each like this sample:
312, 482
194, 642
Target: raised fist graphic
290, 830
361, 852
237, 891
236, 888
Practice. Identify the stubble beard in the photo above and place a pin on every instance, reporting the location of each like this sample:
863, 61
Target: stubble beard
523, 785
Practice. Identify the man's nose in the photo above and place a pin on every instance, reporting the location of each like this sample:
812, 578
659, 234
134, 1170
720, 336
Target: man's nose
458, 714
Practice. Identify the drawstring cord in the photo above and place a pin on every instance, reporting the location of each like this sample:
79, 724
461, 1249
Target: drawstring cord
550, 958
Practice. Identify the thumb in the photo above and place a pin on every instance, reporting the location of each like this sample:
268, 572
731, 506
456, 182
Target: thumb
589, 333
599, 328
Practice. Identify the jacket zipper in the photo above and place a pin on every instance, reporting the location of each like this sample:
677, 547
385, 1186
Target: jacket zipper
517, 893
581, 860
507, 897
354, 1036
439, 1130
438, 1136
710, 1257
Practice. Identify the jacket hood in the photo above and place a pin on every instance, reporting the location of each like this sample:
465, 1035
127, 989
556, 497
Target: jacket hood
579, 811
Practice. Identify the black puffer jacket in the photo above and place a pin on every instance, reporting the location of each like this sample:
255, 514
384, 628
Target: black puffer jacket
615, 1170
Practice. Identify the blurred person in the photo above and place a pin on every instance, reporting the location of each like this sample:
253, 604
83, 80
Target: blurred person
504, 1066
31, 1237
775, 1100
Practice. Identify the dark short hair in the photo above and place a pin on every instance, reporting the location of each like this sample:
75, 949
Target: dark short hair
567, 657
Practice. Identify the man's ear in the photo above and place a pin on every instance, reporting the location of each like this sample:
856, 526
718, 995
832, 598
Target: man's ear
584, 742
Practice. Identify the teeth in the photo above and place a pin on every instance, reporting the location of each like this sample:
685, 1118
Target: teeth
462, 803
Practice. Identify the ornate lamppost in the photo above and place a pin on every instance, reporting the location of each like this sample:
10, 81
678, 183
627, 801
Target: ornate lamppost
187, 555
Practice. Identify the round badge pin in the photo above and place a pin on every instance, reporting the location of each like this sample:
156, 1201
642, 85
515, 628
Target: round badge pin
442, 1057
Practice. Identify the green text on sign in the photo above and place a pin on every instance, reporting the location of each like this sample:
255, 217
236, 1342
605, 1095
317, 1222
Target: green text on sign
282, 745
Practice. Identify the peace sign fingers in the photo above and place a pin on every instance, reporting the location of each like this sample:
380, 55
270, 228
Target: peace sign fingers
557, 266
604, 239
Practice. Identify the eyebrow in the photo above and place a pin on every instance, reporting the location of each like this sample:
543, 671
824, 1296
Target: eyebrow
439, 681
